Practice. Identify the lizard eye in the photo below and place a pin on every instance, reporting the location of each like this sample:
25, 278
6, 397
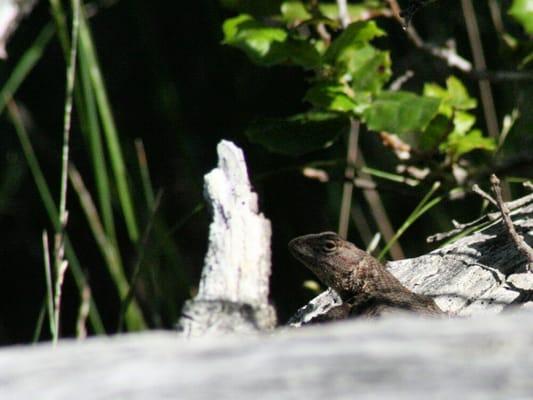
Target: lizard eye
329, 246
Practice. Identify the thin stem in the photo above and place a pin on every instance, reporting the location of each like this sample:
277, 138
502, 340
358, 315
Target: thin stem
109, 251
343, 12
83, 313
49, 292
349, 174
61, 268
71, 74
379, 213
140, 258
39, 324
26, 64
480, 64
145, 174
50, 206
518, 240
419, 210
117, 160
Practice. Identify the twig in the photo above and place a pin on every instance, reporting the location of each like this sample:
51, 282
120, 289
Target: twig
83, 313
349, 174
343, 13
399, 82
528, 185
61, 263
496, 16
49, 291
71, 74
361, 223
479, 61
519, 241
379, 213
476, 189
500, 76
61, 268
447, 54
140, 257
458, 228
490, 217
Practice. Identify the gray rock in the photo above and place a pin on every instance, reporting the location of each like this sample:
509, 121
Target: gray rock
397, 358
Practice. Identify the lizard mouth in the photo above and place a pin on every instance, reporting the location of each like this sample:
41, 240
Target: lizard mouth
299, 250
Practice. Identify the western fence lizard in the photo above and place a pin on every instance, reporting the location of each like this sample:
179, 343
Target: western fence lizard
363, 283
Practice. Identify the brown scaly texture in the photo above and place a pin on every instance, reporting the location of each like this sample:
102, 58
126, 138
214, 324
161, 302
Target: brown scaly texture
365, 286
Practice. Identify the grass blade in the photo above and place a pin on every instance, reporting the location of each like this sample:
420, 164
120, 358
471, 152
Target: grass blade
115, 152
26, 64
50, 207
134, 318
419, 210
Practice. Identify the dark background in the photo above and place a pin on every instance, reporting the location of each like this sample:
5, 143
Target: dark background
174, 85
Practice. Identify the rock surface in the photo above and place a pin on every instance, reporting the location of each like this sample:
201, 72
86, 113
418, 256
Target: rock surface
404, 357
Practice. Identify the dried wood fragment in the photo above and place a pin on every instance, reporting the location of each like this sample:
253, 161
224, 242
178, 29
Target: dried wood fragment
234, 286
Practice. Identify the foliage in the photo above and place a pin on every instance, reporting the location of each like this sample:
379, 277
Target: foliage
350, 77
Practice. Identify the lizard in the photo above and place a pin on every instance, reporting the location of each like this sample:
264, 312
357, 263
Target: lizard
365, 286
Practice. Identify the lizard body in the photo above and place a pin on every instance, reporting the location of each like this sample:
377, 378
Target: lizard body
365, 286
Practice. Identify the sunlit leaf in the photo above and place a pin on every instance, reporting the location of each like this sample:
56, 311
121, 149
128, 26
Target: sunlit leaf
367, 68
267, 45
400, 112
263, 44
522, 11
330, 96
454, 96
463, 121
459, 144
294, 11
356, 35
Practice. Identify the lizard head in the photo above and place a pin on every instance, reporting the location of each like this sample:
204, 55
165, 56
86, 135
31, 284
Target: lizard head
332, 259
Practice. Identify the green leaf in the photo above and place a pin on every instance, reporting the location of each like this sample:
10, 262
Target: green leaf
357, 12
459, 144
437, 131
367, 68
265, 45
294, 12
522, 11
463, 121
454, 96
458, 95
299, 134
400, 112
355, 35
330, 96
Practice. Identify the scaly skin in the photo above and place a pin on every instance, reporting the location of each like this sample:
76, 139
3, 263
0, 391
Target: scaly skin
365, 286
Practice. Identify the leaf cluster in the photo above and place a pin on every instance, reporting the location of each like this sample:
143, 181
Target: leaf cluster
350, 74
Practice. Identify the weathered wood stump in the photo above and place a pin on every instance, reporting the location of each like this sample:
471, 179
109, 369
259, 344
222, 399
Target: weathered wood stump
234, 287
